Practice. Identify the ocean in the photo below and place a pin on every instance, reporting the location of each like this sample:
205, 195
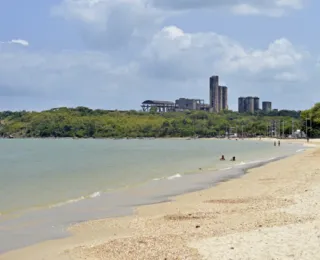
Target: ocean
63, 181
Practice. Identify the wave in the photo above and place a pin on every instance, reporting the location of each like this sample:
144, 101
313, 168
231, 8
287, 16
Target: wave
300, 150
225, 169
242, 163
95, 194
174, 176
91, 196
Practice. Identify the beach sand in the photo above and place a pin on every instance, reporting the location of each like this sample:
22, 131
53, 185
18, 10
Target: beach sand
272, 212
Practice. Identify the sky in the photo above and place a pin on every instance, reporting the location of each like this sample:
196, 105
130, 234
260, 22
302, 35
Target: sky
114, 54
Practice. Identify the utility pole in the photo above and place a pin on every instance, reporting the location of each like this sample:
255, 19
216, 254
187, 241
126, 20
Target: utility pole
282, 129
292, 128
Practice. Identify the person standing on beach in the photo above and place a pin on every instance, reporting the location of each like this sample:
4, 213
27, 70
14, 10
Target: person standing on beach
275, 143
279, 143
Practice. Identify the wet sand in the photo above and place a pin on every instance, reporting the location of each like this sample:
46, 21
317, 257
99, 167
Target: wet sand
272, 212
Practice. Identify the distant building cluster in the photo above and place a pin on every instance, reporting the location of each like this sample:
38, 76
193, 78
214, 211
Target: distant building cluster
218, 101
252, 105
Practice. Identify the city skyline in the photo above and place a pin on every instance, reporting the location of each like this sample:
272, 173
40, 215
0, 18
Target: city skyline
93, 53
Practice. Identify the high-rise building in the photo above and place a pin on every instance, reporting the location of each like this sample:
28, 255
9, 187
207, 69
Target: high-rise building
224, 102
256, 104
220, 98
214, 93
241, 104
266, 106
249, 104
218, 95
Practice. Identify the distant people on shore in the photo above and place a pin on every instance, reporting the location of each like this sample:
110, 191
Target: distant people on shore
275, 143
279, 143
222, 158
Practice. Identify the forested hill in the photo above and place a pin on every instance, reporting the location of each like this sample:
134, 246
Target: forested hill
83, 122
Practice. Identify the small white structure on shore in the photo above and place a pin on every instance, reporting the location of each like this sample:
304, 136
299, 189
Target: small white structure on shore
299, 134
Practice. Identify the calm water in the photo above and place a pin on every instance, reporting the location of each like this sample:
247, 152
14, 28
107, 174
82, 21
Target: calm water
43, 173
46, 185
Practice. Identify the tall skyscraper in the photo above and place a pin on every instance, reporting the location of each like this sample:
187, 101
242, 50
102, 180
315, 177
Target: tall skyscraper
214, 93
218, 95
250, 104
241, 104
224, 103
256, 104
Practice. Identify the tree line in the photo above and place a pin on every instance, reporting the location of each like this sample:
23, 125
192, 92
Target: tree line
83, 122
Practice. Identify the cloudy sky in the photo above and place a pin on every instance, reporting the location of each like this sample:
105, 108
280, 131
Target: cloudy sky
116, 53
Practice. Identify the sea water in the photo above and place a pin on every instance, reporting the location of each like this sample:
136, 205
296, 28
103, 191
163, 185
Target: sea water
56, 182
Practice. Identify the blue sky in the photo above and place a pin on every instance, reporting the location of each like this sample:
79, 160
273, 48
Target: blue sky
115, 54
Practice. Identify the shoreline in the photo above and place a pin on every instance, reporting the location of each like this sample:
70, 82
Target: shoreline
263, 138
159, 203
167, 190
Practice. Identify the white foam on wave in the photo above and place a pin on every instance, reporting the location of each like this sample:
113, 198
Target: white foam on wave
169, 178
91, 196
225, 169
174, 176
300, 150
67, 202
95, 194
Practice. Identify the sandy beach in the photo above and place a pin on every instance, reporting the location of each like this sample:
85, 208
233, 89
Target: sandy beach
272, 212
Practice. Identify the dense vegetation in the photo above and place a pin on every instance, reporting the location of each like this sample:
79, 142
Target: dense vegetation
310, 121
82, 122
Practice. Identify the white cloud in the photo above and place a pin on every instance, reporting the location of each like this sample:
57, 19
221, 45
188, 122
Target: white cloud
245, 7
174, 53
61, 74
112, 24
174, 61
17, 41
21, 42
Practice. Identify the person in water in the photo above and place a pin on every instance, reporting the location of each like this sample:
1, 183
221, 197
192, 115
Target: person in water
233, 159
275, 143
222, 158
279, 143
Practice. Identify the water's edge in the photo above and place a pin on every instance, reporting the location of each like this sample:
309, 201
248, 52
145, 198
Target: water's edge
49, 224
